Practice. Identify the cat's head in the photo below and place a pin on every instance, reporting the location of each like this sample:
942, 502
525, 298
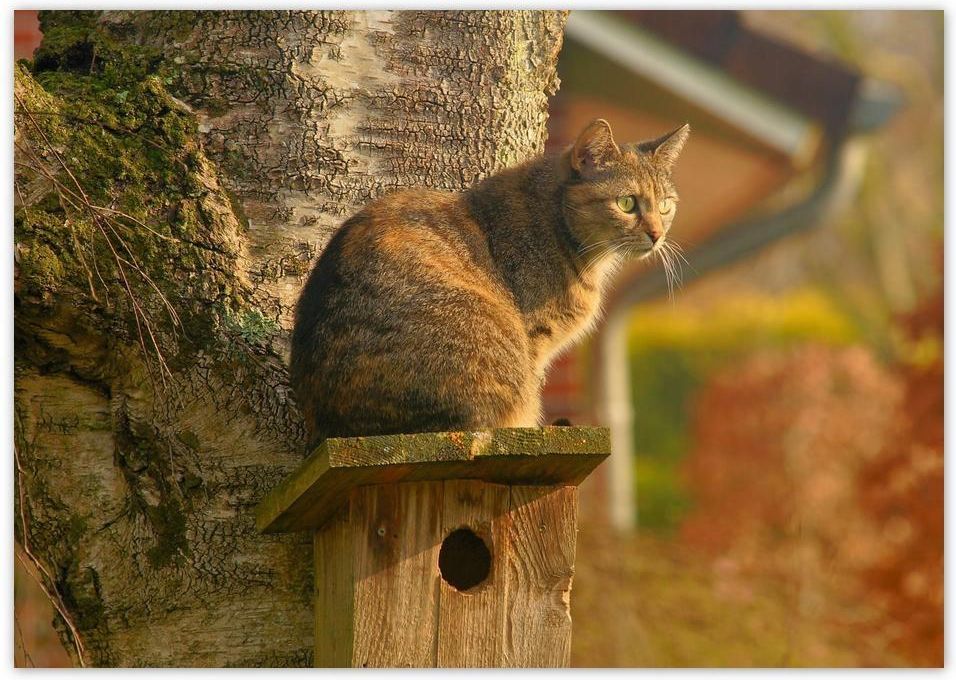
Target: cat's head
621, 198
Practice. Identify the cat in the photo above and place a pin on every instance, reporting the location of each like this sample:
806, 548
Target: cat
434, 311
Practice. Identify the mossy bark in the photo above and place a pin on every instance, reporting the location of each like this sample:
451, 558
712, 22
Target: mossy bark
176, 175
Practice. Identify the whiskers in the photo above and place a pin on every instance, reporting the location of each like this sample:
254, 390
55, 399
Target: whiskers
672, 258
670, 254
602, 251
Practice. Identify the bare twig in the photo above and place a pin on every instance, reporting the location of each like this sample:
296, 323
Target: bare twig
27, 659
79, 200
136, 308
35, 567
100, 220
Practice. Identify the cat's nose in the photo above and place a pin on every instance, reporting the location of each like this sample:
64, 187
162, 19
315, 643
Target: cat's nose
654, 234
653, 228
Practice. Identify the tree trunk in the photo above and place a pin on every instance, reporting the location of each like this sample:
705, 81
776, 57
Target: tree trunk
177, 174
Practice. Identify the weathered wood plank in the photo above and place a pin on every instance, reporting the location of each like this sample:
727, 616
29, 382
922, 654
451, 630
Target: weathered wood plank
381, 600
396, 538
545, 456
541, 532
334, 593
471, 622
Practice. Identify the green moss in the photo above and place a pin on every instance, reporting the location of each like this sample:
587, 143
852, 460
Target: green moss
216, 106
188, 439
42, 269
254, 327
74, 42
148, 468
98, 104
169, 523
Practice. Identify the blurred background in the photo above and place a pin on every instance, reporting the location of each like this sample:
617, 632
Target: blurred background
775, 497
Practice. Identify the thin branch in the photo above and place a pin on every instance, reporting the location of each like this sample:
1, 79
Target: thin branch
34, 566
103, 223
27, 659
92, 209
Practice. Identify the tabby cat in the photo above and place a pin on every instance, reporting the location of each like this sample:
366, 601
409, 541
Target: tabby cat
433, 311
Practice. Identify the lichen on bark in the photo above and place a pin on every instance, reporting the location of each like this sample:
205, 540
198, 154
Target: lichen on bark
176, 175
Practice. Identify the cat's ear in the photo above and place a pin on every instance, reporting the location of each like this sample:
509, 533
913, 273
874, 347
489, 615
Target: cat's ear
594, 148
667, 148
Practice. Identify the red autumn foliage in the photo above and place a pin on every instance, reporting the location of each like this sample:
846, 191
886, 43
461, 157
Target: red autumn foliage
823, 468
903, 494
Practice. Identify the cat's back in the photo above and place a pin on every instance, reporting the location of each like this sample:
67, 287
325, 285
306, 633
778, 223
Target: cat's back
416, 241
403, 223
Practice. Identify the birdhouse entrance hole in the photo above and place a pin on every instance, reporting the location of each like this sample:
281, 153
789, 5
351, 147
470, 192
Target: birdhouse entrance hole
464, 559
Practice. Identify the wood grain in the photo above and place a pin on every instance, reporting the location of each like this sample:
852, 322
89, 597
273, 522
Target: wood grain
396, 538
155, 481
541, 528
470, 622
381, 600
334, 593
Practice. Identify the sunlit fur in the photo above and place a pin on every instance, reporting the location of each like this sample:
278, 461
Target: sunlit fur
440, 311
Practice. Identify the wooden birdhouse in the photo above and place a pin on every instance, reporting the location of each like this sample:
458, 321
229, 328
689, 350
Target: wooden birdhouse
451, 549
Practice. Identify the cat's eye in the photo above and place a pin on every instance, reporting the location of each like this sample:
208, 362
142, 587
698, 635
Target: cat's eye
627, 203
665, 206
